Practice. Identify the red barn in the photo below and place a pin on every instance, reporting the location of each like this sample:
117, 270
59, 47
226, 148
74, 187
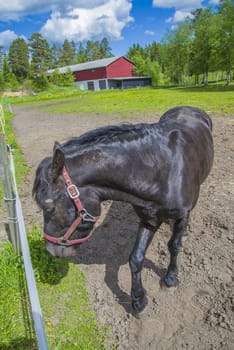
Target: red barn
107, 73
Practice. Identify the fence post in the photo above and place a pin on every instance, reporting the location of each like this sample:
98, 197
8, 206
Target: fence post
9, 196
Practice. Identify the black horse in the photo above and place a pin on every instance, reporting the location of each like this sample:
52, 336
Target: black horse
158, 168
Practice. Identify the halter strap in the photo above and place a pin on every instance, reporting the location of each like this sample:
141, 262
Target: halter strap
83, 215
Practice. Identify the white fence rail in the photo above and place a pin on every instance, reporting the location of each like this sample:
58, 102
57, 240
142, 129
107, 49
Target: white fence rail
2, 118
19, 238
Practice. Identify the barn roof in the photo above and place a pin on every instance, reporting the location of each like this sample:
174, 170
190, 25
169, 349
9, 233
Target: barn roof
104, 62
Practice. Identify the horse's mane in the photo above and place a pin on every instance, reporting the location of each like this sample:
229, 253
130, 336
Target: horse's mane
40, 186
107, 134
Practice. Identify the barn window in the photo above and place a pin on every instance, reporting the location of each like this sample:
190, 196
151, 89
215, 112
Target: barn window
90, 85
102, 84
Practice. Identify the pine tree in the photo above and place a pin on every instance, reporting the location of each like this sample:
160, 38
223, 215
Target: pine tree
1, 57
55, 52
40, 53
81, 55
67, 53
105, 49
5, 68
18, 58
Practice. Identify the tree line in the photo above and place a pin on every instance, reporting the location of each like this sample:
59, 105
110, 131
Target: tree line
197, 49
27, 63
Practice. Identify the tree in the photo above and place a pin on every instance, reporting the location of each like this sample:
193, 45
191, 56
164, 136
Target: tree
55, 77
1, 57
140, 65
147, 68
81, 56
105, 49
55, 52
203, 48
93, 50
136, 51
68, 78
226, 36
67, 53
40, 54
9, 79
176, 53
145, 62
1, 82
39, 82
153, 52
5, 68
59, 79
96, 50
18, 58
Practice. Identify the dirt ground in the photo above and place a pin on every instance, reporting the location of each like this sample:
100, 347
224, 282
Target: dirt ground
196, 315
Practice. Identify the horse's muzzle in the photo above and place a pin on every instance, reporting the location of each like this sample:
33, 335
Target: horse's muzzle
60, 251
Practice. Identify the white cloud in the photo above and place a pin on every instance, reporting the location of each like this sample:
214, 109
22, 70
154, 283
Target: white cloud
16, 9
107, 19
7, 37
149, 32
73, 19
182, 8
179, 16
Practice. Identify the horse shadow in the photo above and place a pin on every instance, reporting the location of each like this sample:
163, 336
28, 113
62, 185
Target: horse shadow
111, 245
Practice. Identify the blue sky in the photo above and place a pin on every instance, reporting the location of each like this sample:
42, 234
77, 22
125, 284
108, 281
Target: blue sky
123, 22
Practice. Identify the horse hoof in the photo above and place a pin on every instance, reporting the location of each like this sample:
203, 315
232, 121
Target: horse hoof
140, 304
171, 280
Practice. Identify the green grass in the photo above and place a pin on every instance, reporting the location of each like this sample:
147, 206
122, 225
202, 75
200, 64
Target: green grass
147, 100
20, 164
69, 319
212, 98
16, 331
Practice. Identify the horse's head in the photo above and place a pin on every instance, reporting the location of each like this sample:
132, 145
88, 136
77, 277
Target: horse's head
67, 211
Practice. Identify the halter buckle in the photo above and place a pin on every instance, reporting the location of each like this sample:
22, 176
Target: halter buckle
73, 191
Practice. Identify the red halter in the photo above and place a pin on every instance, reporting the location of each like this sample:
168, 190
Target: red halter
82, 215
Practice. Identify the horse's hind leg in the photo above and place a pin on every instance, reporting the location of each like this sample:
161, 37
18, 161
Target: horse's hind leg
174, 246
136, 261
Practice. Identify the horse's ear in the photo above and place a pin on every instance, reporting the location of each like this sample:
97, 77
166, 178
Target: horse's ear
58, 160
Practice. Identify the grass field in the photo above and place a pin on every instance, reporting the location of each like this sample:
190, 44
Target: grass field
61, 287
214, 99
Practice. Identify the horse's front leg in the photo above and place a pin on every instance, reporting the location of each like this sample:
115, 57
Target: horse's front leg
136, 260
175, 246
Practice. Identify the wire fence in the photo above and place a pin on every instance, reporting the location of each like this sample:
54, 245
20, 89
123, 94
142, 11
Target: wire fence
17, 231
